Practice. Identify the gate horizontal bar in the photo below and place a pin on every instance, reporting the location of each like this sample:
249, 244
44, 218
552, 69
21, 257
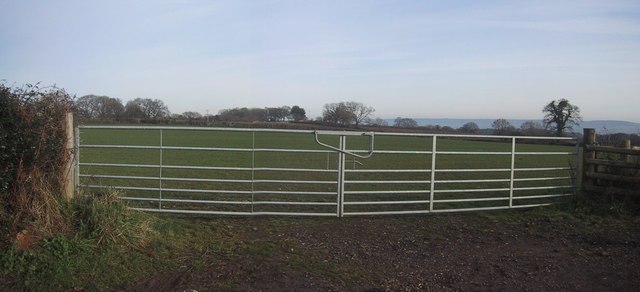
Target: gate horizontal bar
387, 181
166, 178
541, 196
231, 202
472, 200
543, 178
186, 201
209, 191
393, 151
387, 192
543, 168
475, 170
546, 153
472, 180
471, 190
488, 208
166, 189
472, 153
206, 212
261, 130
120, 165
387, 202
386, 213
208, 167
292, 193
206, 179
543, 188
388, 170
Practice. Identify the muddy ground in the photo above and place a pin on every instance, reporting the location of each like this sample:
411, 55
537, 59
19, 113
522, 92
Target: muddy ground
500, 252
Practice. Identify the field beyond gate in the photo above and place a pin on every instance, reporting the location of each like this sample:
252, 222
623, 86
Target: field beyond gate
287, 172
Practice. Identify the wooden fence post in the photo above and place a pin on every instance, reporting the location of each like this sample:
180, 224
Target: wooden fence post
589, 139
626, 144
69, 168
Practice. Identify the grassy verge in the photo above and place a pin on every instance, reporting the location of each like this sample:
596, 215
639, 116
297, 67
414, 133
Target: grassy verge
114, 247
111, 246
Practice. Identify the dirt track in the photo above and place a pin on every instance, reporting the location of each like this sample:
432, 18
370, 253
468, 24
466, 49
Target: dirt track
432, 253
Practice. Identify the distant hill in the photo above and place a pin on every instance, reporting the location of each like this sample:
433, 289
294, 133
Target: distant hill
601, 126
612, 127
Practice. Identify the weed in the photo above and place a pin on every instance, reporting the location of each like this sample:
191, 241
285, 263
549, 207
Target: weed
107, 219
43, 268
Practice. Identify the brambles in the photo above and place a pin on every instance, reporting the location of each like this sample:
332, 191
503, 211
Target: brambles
32, 139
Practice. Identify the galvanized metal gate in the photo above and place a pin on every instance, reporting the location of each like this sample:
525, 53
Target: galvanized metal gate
317, 173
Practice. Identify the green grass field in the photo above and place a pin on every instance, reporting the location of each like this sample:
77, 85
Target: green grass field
253, 172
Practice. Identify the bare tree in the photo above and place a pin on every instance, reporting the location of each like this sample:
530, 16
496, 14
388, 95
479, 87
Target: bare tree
191, 115
503, 127
156, 109
298, 113
146, 109
337, 113
378, 122
531, 128
470, 127
243, 114
99, 107
278, 114
346, 113
561, 115
405, 123
360, 111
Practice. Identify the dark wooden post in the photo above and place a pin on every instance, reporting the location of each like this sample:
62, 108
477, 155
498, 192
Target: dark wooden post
626, 144
589, 139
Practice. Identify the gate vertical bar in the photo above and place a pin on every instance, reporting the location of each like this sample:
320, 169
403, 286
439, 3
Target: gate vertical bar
575, 172
513, 166
341, 166
160, 173
77, 161
328, 159
433, 172
253, 165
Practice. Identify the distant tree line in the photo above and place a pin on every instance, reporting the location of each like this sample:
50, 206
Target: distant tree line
268, 114
559, 116
499, 127
103, 107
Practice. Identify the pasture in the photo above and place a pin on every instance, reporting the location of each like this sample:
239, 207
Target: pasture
243, 172
236, 171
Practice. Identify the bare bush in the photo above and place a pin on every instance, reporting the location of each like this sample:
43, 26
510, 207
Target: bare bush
32, 139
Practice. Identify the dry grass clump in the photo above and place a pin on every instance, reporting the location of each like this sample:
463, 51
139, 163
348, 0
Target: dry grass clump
107, 219
38, 206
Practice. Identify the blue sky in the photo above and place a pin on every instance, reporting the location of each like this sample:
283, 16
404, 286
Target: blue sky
419, 59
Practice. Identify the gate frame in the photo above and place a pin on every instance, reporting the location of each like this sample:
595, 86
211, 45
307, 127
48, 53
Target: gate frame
342, 151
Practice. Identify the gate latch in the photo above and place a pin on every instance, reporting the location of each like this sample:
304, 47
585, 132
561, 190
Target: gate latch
345, 133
